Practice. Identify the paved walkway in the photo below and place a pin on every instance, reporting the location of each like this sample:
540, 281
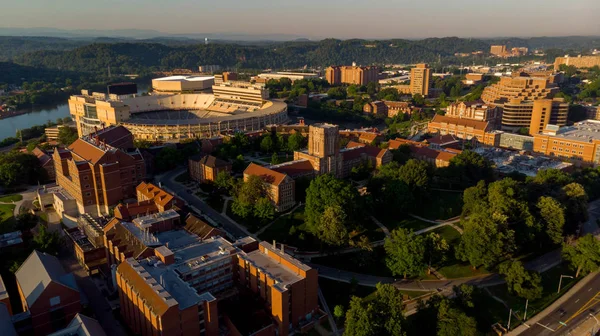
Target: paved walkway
329, 314
275, 220
383, 227
439, 223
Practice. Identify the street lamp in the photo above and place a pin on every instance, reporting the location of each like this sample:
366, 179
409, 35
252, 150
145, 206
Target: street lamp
560, 281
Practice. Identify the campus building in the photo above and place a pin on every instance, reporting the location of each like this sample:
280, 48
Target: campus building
420, 78
280, 187
476, 110
180, 84
534, 115
580, 143
162, 200
439, 157
466, 129
187, 285
323, 150
293, 76
498, 50
49, 295
520, 87
358, 75
578, 62
356, 153
204, 168
98, 175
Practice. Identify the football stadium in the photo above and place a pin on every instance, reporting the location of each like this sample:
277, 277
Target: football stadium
176, 117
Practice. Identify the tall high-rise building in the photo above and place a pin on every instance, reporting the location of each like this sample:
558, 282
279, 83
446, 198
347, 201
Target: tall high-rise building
498, 50
420, 77
358, 75
535, 115
520, 87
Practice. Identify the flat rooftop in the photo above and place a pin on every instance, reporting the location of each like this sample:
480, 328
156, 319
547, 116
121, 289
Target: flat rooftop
507, 161
282, 275
147, 221
143, 236
586, 131
11, 238
185, 78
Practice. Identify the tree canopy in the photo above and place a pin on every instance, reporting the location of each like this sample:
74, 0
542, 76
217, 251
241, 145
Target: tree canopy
405, 253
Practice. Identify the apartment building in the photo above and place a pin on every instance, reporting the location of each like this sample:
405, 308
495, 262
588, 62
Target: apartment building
535, 115
498, 50
280, 187
420, 79
49, 294
287, 286
358, 75
188, 284
205, 168
579, 143
578, 62
97, 175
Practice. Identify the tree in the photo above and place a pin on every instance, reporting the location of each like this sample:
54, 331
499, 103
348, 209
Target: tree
380, 316
336, 93
521, 282
325, 191
372, 88
45, 241
405, 253
26, 221
468, 168
247, 195
474, 198
436, 248
266, 144
352, 90
332, 229
453, 321
296, 141
415, 174
264, 209
141, 143
575, 201
167, 159
66, 136
274, 159
418, 100
225, 181
485, 240
338, 312
584, 254
552, 215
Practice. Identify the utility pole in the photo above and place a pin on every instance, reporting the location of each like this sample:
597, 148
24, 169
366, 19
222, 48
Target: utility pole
525, 315
509, 315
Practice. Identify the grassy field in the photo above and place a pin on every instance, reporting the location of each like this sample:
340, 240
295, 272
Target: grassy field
7, 220
339, 293
550, 281
441, 205
407, 223
281, 230
449, 234
11, 198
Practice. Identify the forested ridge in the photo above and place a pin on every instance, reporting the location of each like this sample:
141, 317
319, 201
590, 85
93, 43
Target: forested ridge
140, 57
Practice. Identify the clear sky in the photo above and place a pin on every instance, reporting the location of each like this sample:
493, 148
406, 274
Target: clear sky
315, 18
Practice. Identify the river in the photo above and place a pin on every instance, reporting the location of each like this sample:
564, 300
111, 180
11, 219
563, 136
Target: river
36, 116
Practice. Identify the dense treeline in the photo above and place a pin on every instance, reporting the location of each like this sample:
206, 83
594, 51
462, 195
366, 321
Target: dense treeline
139, 57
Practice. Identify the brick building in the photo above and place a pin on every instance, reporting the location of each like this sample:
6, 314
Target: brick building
323, 149
420, 79
195, 225
280, 187
48, 293
358, 75
46, 161
461, 128
521, 87
578, 62
535, 115
162, 199
97, 175
579, 143
476, 110
426, 152
356, 153
376, 108
204, 168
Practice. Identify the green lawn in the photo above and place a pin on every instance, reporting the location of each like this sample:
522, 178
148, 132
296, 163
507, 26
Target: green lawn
11, 198
441, 205
550, 281
456, 269
281, 231
407, 223
449, 234
339, 293
7, 220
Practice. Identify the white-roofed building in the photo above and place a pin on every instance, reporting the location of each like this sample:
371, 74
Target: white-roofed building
187, 84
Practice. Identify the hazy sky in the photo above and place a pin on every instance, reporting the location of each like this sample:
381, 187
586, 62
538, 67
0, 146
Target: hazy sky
315, 18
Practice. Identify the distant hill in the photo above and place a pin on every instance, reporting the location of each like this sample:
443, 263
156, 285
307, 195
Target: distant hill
164, 53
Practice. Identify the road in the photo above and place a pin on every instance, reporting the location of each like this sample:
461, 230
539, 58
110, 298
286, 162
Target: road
168, 181
572, 312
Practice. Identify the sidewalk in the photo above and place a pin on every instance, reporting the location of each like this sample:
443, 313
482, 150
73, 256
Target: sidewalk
554, 306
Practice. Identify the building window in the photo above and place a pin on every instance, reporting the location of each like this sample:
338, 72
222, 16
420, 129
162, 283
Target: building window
88, 194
